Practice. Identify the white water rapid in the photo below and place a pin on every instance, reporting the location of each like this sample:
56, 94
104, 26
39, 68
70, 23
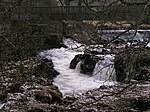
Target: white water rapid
131, 35
71, 80
104, 70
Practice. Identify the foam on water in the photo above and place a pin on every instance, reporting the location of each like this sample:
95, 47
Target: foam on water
70, 80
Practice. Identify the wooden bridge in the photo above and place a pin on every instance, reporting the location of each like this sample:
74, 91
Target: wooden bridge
113, 13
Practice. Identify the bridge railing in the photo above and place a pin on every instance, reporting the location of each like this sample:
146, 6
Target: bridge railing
75, 12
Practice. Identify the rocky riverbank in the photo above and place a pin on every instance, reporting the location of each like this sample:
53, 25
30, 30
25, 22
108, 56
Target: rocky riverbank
25, 78
26, 86
19, 91
119, 98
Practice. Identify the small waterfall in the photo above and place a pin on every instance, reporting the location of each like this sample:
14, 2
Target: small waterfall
78, 67
104, 70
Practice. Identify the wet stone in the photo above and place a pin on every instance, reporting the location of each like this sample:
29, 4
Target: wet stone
88, 63
43, 97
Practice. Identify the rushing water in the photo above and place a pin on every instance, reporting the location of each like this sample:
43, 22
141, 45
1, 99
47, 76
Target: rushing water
104, 70
71, 80
126, 36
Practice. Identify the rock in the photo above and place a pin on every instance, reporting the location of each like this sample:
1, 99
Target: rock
52, 72
45, 69
69, 100
75, 61
88, 63
104, 87
14, 88
53, 41
55, 93
43, 96
49, 94
141, 104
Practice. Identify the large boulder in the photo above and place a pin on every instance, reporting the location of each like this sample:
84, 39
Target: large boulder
45, 69
132, 64
75, 61
14, 87
43, 96
88, 63
49, 94
53, 41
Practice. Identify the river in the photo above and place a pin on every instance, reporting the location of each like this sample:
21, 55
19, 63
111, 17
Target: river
71, 80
